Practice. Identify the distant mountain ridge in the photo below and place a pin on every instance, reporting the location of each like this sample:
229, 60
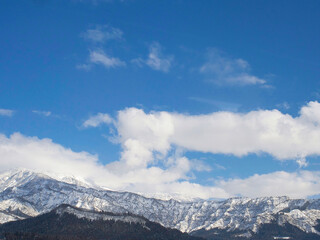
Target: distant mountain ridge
25, 194
71, 223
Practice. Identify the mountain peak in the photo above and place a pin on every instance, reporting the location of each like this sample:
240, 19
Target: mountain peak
18, 176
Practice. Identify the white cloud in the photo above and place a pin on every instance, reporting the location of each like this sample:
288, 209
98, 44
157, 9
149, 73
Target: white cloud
99, 57
97, 120
299, 184
147, 138
223, 70
153, 146
302, 162
6, 112
101, 34
43, 155
263, 131
156, 59
42, 113
19, 151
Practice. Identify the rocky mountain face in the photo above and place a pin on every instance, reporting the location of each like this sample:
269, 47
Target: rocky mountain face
25, 194
71, 223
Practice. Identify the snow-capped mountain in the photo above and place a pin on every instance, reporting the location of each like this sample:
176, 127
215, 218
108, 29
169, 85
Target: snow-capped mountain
25, 193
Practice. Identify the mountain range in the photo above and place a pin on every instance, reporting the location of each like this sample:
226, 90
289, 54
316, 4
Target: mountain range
70, 223
26, 194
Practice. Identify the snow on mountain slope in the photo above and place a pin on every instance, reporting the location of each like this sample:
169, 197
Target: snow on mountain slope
25, 193
168, 196
91, 215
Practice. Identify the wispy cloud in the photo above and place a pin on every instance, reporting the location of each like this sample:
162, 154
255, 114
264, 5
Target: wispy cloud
99, 57
84, 66
156, 59
283, 105
95, 2
102, 34
221, 105
224, 70
42, 113
97, 120
219, 167
6, 112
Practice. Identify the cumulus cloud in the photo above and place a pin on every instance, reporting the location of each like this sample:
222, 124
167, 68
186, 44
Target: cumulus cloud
102, 34
150, 137
42, 113
99, 57
156, 59
153, 146
6, 112
224, 70
97, 120
147, 138
44, 155
263, 131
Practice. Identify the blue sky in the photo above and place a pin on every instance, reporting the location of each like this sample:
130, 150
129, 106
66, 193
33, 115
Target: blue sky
166, 77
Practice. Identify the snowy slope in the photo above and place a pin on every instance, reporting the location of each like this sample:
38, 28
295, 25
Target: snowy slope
93, 216
25, 193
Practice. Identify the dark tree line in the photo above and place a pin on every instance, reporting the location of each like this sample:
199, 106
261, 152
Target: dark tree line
52, 226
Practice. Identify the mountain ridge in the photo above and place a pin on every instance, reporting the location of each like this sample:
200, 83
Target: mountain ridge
69, 222
28, 194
